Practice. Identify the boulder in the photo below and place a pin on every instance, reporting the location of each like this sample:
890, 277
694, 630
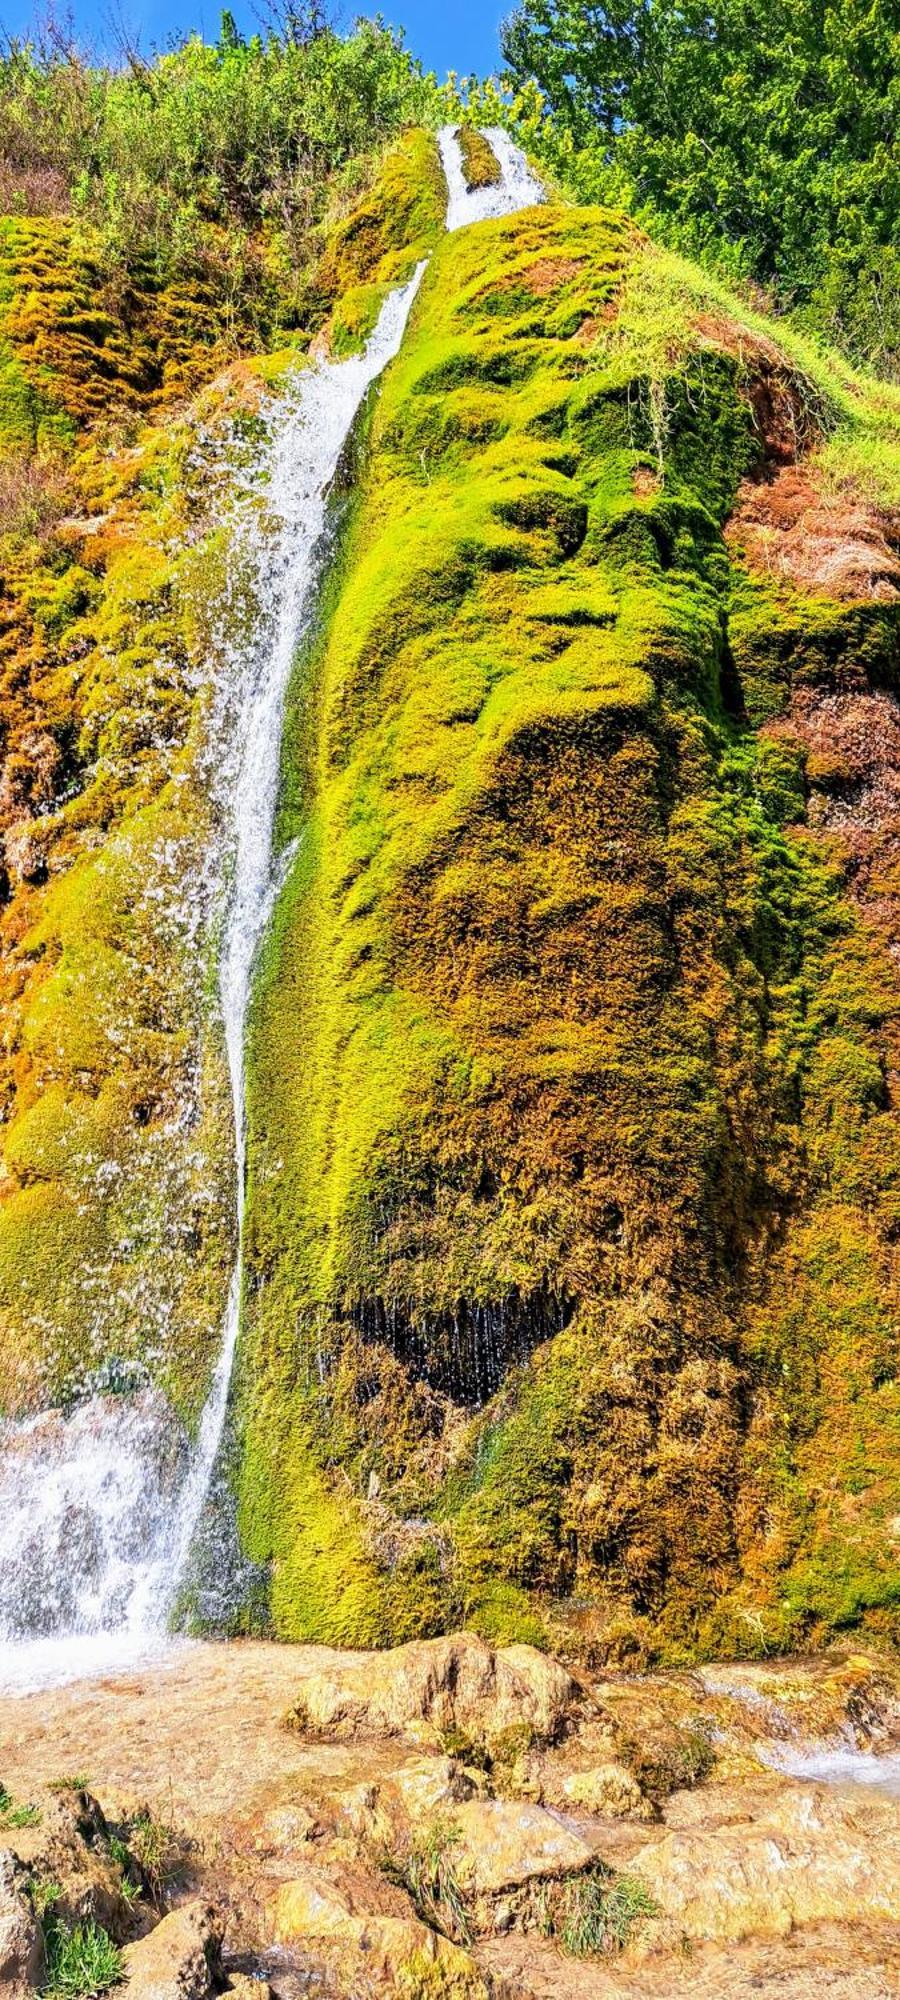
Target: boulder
432, 1689
806, 1855
610, 1791
68, 1844
180, 1960
21, 1940
503, 1843
369, 1934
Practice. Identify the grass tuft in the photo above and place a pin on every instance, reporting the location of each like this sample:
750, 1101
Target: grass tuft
82, 1961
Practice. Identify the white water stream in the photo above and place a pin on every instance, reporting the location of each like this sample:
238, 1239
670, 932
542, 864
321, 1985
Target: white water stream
98, 1508
516, 188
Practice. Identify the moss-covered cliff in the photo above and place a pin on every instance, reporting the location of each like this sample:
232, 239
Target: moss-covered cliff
570, 1290
570, 1287
127, 425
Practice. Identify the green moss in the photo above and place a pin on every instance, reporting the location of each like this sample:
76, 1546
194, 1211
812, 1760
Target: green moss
561, 1020
480, 163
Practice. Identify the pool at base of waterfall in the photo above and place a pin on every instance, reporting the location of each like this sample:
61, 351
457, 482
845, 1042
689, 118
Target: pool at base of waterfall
34, 1666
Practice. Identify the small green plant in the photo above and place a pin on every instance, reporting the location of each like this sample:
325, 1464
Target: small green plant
82, 1961
154, 1850
121, 1854
13, 1815
75, 1784
428, 1873
593, 1913
45, 1892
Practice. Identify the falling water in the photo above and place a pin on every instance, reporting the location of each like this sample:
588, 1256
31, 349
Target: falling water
98, 1511
516, 188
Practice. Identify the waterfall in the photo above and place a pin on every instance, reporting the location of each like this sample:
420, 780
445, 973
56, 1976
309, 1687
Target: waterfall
516, 188
98, 1508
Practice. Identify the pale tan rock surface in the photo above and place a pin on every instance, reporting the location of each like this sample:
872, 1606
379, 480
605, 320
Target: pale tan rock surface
436, 1687
805, 1854
179, 1960
373, 1937
21, 1944
505, 1842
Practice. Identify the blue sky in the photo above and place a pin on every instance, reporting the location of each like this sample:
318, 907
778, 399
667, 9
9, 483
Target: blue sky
460, 36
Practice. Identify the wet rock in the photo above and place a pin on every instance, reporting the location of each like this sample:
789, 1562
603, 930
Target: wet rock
21, 1942
68, 1845
805, 1855
369, 1933
180, 1960
431, 1689
610, 1791
505, 1842
386, 1809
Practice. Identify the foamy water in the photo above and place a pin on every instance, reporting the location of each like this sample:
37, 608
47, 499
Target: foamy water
517, 187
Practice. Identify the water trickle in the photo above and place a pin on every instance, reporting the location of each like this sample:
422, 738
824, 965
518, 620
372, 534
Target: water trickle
98, 1509
517, 187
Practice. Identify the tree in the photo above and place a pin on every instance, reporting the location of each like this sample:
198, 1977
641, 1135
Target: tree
759, 132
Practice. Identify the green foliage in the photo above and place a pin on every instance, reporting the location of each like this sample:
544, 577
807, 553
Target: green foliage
13, 1815
211, 167
594, 1913
155, 1850
82, 1961
427, 1870
761, 137
45, 1893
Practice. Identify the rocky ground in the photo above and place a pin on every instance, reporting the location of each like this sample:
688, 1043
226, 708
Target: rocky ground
451, 1820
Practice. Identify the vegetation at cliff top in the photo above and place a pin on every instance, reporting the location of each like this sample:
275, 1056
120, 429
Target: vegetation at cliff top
214, 162
758, 134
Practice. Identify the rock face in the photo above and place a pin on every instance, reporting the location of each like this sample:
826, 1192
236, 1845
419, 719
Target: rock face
799, 1858
21, 1943
458, 1686
573, 1308
179, 1960
505, 1843
572, 1124
373, 1938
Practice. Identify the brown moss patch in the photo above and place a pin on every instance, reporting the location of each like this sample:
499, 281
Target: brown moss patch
788, 527
480, 163
549, 273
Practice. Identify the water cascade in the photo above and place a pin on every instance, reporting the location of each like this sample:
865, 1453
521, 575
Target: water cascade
97, 1511
98, 1508
516, 188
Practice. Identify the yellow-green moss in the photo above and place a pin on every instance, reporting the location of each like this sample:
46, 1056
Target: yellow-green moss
553, 991
480, 163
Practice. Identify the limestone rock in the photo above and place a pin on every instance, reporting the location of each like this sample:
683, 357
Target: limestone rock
804, 1856
370, 1934
420, 1790
21, 1943
505, 1842
610, 1791
179, 1960
435, 1687
68, 1844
